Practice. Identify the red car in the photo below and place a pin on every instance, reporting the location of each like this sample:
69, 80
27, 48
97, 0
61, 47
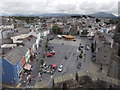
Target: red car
52, 53
49, 55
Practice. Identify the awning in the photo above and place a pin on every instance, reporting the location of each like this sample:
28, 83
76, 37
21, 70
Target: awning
69, 36
27, 67
8, 45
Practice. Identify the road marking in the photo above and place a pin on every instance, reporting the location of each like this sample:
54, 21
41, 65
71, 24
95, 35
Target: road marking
73, 63
60, 64
62, 61
69, 60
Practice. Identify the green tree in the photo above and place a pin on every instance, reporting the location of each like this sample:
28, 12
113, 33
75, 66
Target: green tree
80, 56
42, 61
46, 46
84, 16
81, 51
56, 29
84, 32
97, 20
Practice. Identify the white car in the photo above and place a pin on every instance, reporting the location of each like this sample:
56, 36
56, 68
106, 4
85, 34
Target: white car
60, 68
87, 47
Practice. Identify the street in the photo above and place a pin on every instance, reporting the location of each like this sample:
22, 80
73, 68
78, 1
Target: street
70, 64
35, 66
69, 49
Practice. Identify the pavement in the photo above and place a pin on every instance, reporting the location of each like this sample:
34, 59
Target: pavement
35, 65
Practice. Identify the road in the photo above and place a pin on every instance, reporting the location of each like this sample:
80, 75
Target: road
70, 64
35, 65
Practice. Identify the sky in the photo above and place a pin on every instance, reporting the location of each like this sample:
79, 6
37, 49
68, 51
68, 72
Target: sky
30, 7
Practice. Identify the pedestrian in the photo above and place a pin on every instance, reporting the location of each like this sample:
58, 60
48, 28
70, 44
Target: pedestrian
84, 55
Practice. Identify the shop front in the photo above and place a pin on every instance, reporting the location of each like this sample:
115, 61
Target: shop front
27, 56
23, 61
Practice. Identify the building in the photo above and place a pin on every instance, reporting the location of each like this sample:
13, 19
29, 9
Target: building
12, 66
103, 53
114, 66
16, 57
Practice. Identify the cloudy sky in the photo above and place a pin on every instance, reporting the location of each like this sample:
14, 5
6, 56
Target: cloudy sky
29, 7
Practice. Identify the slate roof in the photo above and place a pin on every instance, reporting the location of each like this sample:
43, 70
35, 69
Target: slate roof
16, 54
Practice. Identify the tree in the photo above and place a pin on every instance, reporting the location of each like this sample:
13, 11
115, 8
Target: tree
84, 32
97, 20
81, 51
46, 46
84, 16
42, 61
80, 56
56, 29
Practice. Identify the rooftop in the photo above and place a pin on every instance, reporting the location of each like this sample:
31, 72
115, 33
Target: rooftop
15, 55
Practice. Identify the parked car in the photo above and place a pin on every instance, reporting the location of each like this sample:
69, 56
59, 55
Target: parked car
52, 53
49, 55
74, 39
51, 38
60, 68
87, 47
